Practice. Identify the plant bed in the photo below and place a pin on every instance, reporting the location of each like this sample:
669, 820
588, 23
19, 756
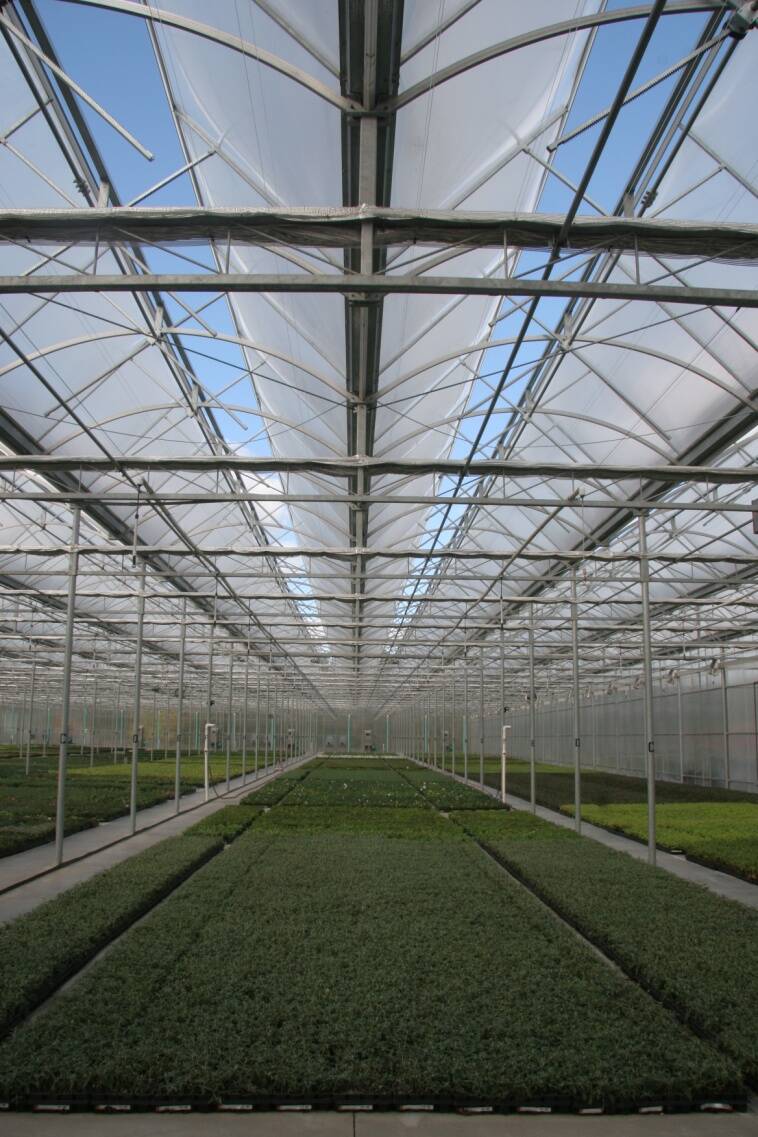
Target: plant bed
275, 790
366, 762
411, 824
555, 787
226, 823
433, 978
722, 835
41, 950
368, 787
695, 951
27, 805
445, 793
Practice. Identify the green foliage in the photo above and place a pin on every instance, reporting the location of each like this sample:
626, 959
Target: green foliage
366, 762
226, 823
93, 793
695, 950
40, 950
555, 787
724, 835
274, 790
410, 824
445, 793
164, 769
512, 824
27, 808
362, 969
368, 787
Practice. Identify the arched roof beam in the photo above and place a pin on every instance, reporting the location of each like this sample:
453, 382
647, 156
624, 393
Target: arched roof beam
536, 35
235, 43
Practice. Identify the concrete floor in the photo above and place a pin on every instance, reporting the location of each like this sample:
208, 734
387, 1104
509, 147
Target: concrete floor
325, 1124
153, 825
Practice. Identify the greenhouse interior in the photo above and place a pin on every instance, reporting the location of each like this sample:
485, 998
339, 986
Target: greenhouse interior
379, 503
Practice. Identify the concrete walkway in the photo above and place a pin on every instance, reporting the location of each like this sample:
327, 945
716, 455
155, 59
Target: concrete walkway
92, 850
719, 882
327, 1124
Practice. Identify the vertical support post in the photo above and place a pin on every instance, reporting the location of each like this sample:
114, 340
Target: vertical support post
577, 709
207, 737
452, 720
68, 648
442, 722
275, 726
180, 709
93, 723
503, 760
436, 725
532, 718
268, 714
21, 732
28, 765
481, 719
681, 726
244, 714
502, 664
155, 726
465, 712
386, 734
136, 726
229, 719
46, 736
349, 733
725, 721
257, 718
647, 656
209, 695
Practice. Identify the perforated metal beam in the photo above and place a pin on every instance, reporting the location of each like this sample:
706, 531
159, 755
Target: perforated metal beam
346, 467
343, 227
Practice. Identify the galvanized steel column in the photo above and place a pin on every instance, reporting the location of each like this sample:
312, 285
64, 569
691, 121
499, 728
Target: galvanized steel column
209, 695
465, 711
244, 714
577, 709
60, 808
137, 699
229, 719
648, 677
725, 721
481, 718
257, 718
268, 714
179, 709
31, 715
532, 717
502, 665
93, 723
